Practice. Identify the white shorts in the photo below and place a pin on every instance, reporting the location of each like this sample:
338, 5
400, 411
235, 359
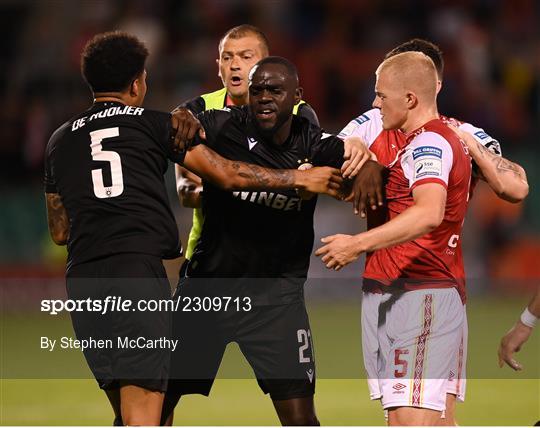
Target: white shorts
411, 343
457, 379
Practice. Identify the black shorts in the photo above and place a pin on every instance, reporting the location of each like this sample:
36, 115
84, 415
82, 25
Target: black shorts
275, 340
122, 357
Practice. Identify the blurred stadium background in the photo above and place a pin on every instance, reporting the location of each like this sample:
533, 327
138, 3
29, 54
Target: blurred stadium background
492, 79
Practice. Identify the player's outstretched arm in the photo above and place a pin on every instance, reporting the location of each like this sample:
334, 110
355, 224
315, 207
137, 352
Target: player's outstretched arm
57, 218
235, 175
519, 333
507, 179
425, 215
189, 187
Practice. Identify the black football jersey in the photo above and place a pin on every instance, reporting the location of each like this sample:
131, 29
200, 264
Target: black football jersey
262, 234
108, 166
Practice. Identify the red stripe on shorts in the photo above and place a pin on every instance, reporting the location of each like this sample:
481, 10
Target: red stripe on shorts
460, 367
420, 350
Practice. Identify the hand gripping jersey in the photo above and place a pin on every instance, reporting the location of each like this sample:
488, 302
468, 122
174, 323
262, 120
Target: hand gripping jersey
432, 154
107, 164
217, 100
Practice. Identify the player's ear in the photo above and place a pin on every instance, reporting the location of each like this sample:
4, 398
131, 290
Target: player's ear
218, 67
439, 86
298, 94
411, 100
137, 86
134, 88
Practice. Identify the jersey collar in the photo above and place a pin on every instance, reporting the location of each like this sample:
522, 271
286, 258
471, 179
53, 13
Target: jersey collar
107, 104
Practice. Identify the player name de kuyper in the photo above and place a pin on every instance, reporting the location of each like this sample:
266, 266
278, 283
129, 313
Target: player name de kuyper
67, 342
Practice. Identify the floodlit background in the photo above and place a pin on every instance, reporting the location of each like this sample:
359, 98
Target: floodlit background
492, 79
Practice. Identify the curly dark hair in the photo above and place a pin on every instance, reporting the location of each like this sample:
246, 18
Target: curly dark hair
426, 47
111, 61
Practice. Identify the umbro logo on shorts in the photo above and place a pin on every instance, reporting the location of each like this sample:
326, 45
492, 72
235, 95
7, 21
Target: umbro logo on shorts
310, 374
398, 387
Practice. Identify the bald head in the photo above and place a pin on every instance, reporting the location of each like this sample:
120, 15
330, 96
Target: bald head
406, 91
411, 72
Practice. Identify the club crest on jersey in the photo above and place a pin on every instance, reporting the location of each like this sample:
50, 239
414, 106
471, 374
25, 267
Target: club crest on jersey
304, 164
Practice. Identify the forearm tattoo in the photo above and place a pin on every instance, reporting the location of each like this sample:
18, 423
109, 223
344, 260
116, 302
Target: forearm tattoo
256, 176
482, 149
501, 164
57, 216
259, 176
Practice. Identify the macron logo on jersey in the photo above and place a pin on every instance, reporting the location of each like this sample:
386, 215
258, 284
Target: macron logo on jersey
428, 162
251, 142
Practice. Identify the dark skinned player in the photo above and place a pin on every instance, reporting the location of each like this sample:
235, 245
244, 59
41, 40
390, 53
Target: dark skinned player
255, 246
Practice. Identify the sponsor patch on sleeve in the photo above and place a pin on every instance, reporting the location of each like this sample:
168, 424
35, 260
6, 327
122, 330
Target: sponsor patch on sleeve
482, 135
427, 151
428, 162
424, 167
348, 130
362, 119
